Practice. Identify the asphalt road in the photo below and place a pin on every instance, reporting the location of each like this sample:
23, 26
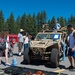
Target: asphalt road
40, 65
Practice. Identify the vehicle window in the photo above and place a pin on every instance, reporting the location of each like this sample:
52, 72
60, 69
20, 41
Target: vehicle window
55, 36
48, 36
41, 36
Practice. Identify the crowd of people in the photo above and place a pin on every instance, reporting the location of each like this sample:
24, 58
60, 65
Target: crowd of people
4, 38
24, 39
70, 43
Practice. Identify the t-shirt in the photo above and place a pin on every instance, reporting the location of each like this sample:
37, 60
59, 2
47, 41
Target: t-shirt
20, 36
71, 40
57, 26
26, 40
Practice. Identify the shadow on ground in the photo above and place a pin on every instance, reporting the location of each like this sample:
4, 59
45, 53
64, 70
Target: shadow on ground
15, 70
42, 62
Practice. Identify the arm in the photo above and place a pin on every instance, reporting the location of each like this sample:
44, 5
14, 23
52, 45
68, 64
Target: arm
73, 49
24, 37
59, 25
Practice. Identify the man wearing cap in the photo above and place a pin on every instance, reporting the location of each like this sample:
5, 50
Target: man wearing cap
71, 52
20, 41
57, 26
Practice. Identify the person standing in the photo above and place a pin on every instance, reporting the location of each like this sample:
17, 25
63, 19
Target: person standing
57, 26
71, 51
26, 41
5, 38
20, 41
26, 48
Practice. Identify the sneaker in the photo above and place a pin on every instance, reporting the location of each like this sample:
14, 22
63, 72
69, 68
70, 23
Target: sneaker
70, 67
19, 54
7, 64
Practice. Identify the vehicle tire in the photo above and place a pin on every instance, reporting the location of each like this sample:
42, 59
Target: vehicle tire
26, 56
54, 58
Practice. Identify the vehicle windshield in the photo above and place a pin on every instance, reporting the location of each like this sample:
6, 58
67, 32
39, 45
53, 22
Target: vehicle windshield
48, 36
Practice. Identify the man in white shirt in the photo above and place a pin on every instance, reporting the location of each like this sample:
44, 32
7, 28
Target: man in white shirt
71, 52
57, 26
20, 41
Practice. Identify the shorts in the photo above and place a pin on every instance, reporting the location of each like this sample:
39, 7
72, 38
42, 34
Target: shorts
20, 45
1, 53
70, 53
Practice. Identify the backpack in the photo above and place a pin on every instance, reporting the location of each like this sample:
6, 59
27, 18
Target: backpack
2, 44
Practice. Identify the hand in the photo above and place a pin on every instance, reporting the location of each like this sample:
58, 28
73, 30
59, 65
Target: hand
73, 49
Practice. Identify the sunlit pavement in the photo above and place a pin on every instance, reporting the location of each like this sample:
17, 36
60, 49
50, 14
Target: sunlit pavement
60, 69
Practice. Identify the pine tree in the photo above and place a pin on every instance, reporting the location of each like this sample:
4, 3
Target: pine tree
71, 20
34, 24
49, 22
43, 17
62, 21
18, 23
11, 23
23, 22
1, 20
52, 22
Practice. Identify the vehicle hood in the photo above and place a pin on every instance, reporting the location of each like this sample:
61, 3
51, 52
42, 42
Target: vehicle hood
42, 43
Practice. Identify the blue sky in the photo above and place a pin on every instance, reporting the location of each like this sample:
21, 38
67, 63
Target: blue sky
57, 8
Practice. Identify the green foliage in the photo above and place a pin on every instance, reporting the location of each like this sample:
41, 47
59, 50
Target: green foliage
18, 23
41, 19
31, 23
71, 20
11, 23
23, 21
62, 21
52, 22
1, 20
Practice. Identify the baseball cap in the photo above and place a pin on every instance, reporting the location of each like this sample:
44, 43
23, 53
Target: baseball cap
21, 30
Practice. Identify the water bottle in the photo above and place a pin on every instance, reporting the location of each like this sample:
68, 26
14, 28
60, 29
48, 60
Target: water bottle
14, 62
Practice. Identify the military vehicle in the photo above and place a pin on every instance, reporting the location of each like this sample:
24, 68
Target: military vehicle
47, 45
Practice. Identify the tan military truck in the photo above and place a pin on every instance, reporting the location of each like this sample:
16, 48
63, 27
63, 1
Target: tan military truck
47, 45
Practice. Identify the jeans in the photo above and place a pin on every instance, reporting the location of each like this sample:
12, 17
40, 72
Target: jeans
64, 49
25, 46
